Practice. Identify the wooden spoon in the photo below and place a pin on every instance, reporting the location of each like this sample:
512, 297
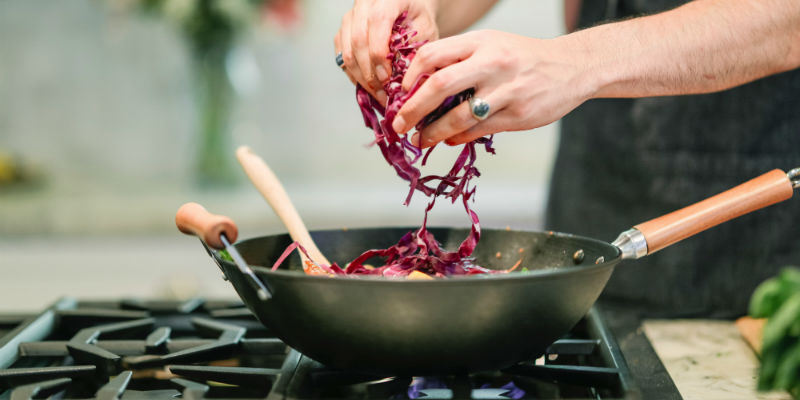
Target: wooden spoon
270, 187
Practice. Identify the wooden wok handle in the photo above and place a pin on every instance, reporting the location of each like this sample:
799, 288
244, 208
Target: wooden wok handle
770, 188
270, 187
193, 219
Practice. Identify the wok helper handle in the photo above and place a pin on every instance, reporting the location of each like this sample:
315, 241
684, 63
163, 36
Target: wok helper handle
218, 232
193, 219
770, 188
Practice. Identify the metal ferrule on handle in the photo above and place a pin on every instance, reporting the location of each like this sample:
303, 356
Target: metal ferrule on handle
632, 244
794, 177
648, 237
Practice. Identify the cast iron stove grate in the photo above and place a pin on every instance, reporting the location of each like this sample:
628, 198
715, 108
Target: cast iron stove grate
133, 349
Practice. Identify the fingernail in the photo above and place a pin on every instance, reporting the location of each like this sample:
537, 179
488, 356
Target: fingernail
415, 139
381, 73
399, 124
381, 96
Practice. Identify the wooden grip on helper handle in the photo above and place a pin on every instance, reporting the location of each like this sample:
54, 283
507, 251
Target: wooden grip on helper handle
193, 219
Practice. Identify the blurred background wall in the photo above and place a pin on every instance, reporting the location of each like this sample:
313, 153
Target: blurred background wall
99, 123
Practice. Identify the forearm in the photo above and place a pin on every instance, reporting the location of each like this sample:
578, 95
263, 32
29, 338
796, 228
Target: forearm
703, 46
454, 16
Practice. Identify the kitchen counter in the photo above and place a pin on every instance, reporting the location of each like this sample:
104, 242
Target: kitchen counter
699, 358
707, 359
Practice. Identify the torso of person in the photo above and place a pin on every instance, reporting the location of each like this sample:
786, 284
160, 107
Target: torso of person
624, 161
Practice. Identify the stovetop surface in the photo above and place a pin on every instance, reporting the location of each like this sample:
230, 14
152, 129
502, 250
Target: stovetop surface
138, 349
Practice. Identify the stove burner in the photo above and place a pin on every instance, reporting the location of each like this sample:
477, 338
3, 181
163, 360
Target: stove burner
199, 349
460, 387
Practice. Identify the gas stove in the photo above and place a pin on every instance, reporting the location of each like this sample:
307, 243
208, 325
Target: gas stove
148, 349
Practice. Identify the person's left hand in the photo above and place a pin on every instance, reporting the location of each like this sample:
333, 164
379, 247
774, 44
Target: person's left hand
527, 82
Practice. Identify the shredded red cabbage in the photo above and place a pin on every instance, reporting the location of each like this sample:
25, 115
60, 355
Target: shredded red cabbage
417, 250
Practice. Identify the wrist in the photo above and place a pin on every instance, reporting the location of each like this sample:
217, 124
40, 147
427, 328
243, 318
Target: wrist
604, 69
589, 76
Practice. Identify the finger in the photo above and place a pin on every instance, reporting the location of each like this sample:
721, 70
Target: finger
380, 30
501, 121
456, 121
350, 64
359, 38
436, 55
337, 46
441, 84
426, 29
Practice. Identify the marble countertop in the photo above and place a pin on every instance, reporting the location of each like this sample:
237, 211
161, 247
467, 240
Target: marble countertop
707, 359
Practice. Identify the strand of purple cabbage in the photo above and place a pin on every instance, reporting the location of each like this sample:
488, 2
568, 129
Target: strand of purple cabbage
416, 250
419, 250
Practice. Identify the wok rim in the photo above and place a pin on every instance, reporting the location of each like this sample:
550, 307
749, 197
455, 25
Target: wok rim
545, 273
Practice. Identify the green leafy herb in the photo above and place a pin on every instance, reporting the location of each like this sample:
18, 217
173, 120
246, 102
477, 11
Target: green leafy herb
778, 300
223, 254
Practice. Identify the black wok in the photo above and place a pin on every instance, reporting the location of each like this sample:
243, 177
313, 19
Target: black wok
458, 324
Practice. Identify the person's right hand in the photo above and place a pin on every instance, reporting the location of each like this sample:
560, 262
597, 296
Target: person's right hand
363, 38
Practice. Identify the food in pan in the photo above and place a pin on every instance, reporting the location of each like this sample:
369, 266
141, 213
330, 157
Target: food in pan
417, 254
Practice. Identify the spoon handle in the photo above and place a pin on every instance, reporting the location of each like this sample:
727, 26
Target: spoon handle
270, 187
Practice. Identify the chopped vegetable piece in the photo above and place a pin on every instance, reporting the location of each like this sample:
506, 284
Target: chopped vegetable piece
416, 275
515, 265
223, 254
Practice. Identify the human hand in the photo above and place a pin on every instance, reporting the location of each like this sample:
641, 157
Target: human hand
527, 82
363, 38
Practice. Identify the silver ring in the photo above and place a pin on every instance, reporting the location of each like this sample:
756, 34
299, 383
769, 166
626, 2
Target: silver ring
339, 59
479, 108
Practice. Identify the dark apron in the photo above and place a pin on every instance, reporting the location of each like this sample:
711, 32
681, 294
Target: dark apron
624, 161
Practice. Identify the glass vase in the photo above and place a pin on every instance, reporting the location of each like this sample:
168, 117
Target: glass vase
214, 98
